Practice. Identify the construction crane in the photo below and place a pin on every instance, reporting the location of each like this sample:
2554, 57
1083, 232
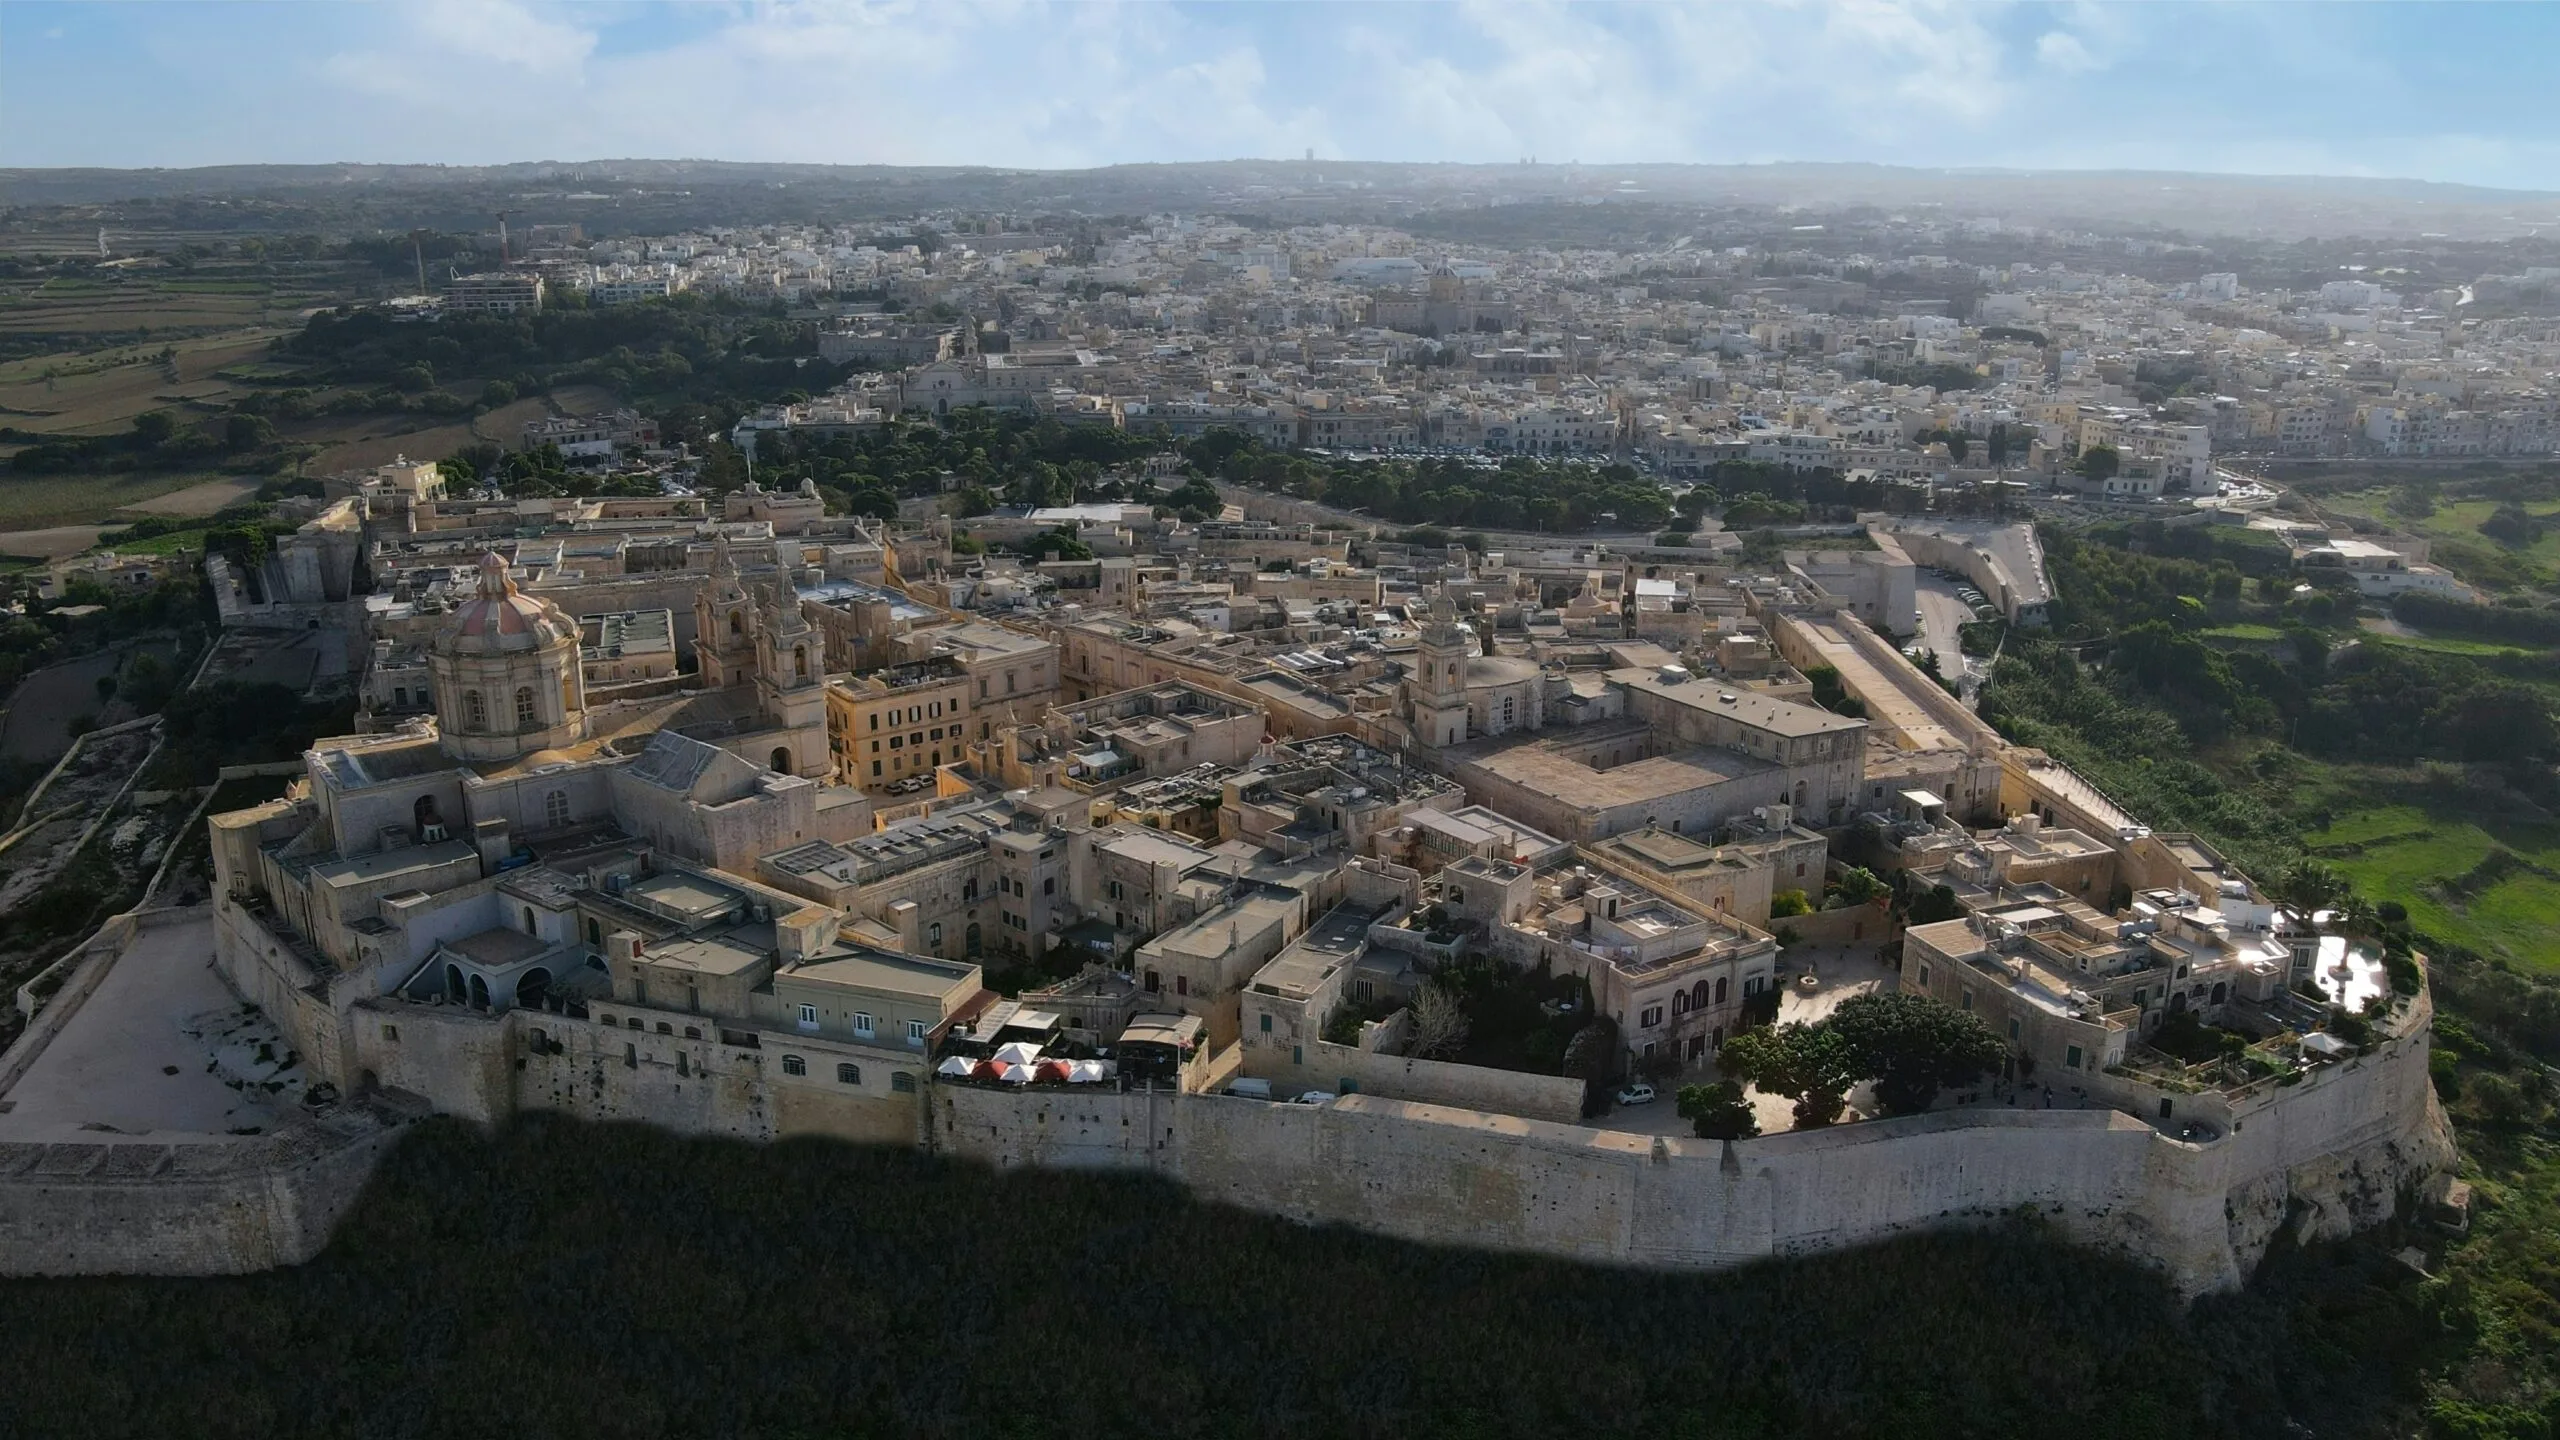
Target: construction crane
503, 257
418, 252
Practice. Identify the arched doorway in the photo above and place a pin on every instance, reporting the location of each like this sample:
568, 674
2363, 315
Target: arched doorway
479, 992
2219, 990
782, 759
971, 937
532, 987
453, 989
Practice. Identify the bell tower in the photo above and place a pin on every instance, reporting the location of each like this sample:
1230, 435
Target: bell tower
722, 618
1436, 693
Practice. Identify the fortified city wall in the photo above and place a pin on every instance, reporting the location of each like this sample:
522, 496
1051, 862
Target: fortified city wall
2338, 1149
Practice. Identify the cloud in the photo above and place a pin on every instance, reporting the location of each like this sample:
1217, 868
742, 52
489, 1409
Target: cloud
2061, 50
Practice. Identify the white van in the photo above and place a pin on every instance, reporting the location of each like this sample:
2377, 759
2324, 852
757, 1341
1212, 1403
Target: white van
1250, 1089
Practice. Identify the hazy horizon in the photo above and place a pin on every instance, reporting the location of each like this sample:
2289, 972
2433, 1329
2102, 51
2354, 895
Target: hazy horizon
2443, 93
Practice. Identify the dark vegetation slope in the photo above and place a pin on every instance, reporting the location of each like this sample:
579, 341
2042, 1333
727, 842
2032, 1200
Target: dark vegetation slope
559, 1279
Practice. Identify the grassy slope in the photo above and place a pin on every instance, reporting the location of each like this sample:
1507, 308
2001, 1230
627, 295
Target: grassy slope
565, 1280
2404, 852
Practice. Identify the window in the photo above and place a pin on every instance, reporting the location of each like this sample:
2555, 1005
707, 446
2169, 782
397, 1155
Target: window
1151, 982
475, 711
555, 809
933, 935
862, 1023
595, 933
1721, 983
1181, 984
634, 1022
1266, 1024
903, 1082
875, 719
915, 1032
809, 1016
665, 1029
391, 1033
875, 769
1049, 886
1652, 1015
693, 1032
848, 1074
1924, 974
1965, 999
2071, 1058
2013, 1027
794, 1065
525, 718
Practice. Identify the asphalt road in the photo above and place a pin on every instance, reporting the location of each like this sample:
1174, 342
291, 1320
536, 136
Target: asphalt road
1940, 615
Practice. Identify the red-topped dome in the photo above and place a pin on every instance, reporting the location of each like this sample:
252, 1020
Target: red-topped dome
503, 618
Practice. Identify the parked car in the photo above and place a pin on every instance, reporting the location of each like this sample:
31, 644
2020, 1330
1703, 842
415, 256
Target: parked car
1313, 1097
1636, 1094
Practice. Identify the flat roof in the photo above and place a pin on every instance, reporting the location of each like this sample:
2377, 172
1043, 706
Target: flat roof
685, 895
728, 953
1663, 850
1545, 769
885, 972
1762, 712
1306, 962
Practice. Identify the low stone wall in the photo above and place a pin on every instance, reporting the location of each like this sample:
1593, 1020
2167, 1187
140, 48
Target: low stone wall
1352, 1070
1850, 925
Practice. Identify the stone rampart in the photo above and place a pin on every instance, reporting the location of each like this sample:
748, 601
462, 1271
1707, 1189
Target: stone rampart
2341, 1149
229, 1207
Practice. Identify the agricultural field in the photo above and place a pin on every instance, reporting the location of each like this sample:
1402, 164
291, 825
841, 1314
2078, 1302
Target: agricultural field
142, 298
364, 441
2491, 884
2459, 545
98, 392
47, 502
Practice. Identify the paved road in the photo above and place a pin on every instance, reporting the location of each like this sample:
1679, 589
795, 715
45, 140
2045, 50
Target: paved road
1940, 613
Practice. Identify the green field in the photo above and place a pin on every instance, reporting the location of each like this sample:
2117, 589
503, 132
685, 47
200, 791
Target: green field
2504, 895
2459, 545
2244, 632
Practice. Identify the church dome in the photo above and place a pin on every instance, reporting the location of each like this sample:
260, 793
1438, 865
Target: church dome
502, 619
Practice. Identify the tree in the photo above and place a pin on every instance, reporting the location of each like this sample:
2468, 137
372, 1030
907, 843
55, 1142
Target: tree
1788, 902
2099, 463
1439, 1026
1804, 1063
1912, 1046
1719, 1111
1859, 886
245, 432
154, 427
1938, 903
106, 688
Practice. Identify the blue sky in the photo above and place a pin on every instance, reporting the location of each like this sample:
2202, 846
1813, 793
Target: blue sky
2431, 91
